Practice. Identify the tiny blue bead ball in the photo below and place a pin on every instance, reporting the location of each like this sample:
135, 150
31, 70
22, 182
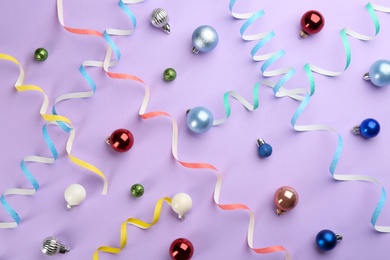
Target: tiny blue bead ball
264, 150
326, 240
380, 73
370, 128
205, 38
199, 120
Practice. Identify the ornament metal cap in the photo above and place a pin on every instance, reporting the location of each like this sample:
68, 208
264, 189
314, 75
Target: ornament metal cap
159, 18
52, 246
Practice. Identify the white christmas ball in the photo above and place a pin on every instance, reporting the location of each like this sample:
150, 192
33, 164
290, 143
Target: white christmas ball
181, 203
75, 194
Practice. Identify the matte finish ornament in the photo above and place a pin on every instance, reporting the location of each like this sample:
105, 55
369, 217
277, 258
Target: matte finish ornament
368, 128
312, 22
52, 246
160, 19
204, 39
181, 249
121, 140
74, 195
169, 74
137, 190
181, 203
379, 73
285, 199
327, 240
199, 119
264, 150
41, 54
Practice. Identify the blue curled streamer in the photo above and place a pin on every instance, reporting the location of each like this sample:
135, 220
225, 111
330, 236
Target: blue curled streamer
336, 157
113, 47
264, 38
29, 176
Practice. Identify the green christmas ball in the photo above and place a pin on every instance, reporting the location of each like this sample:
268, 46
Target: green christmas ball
137, 190
41, 54
169, 74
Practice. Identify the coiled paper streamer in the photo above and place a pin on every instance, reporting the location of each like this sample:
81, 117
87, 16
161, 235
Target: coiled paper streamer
337, 154
20, 87
193, 165
135, 222
110, 44
371, 8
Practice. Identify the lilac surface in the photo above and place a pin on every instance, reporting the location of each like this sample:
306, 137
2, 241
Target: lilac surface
300, 160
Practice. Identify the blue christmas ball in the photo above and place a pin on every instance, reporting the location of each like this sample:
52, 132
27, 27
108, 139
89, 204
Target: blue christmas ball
264, 150
204, 39
199, 120
369, 128
327, 240
379, 73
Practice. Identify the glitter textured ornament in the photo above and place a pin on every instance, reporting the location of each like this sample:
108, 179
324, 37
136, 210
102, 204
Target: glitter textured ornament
181, 203
74, 195
311, 22
169, 74
121, 140
327, 240
41, 54
160, 19
379, 73
52, 246
368, 128
264, 150
204, 39
285, 199
181, 249
137, 190
199, 119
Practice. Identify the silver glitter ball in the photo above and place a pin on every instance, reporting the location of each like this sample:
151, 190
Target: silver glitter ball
52, 246
204, 39
160, 19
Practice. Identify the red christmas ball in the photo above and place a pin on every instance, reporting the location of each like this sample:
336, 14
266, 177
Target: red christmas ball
121, 140
311, 22
181, 249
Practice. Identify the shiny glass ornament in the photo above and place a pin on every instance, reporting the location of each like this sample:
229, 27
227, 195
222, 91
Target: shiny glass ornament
137, 190
52, 246
121, 140
311, 22
74, 195
181, 203
379, 73
199, 119
41, 54
285, 199
169, 74
368, 128
264, 150
160, 19
204, 39
181, 249
327, 240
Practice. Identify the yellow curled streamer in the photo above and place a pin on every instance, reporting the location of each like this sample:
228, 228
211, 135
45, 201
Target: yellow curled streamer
135, 222
54, 118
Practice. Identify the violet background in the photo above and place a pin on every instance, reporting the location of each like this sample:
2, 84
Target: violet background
300, 160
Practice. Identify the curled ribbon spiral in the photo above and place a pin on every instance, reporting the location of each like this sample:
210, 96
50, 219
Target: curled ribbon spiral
337, 154
135, 222
20, 87
195, 165
110, 44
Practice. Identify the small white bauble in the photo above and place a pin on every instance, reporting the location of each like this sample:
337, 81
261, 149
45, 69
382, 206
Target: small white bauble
74, 195
181, 204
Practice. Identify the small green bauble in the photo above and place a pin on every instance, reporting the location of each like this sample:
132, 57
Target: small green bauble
137, 190
41, 54
169, 74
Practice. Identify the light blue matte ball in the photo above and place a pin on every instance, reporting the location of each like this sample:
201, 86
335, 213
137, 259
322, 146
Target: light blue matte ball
199, 120
205, 38
380, 73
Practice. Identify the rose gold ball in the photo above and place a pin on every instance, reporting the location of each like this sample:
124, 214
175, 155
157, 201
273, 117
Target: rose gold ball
285, 199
